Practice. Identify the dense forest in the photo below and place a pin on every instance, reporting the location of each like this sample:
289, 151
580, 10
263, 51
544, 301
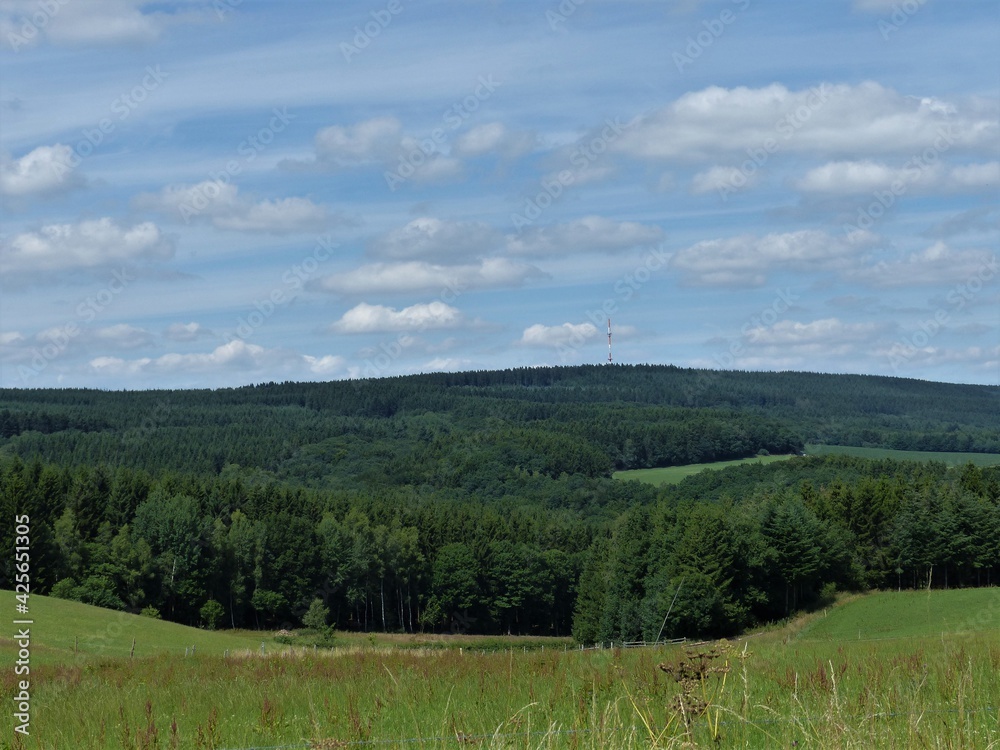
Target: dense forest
484, 502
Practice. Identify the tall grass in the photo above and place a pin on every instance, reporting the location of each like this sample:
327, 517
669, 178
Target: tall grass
922, 692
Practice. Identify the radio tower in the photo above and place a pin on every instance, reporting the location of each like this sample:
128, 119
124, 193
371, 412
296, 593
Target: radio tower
609, 341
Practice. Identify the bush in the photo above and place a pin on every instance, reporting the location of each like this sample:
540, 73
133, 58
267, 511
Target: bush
211, 613
315, 618
151, 612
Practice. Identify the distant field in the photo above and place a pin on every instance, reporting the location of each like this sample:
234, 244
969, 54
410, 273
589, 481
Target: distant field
674, 474
952, 459
909, 614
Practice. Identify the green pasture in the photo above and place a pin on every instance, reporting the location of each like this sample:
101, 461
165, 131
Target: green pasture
925, 678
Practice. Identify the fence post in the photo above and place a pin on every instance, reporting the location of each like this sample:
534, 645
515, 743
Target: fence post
132, 652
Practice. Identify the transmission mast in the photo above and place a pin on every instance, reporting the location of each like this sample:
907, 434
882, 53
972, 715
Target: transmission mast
609, 341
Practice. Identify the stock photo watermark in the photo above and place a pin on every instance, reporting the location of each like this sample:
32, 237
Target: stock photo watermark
901, 13
454, 117
202, 195
912, 172
87, 311
714, 28
786, 126
368, 31
553, 188
962, 294
293, 281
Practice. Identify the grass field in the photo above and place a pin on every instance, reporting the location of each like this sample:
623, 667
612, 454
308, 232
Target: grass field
810, 684
909, 614
674, 474
952, 459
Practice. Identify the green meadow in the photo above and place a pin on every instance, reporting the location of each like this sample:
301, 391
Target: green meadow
949, 458
674, 474
922, 675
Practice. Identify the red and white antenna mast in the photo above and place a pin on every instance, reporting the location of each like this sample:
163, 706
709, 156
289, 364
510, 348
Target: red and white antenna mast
609, 341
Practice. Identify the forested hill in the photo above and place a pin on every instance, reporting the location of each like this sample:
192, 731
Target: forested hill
575, 420
484, 500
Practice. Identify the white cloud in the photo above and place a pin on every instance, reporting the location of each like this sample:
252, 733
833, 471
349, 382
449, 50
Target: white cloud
380, 141
493, 137
221, 204
419, 276
830, 120
11, 338
937, 264
185, 331
976, 175
366, 142
365, 318
567, 334
877, 6
855, 177
235, 357
57, 247
721, 178
93, 23
827, 336
434, 239
746, 260
44, 170
446, 364
285, 215
123, 336
586, 235
845, 177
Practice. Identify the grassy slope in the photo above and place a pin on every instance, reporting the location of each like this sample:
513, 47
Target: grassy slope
918, 690
952, 459
103, 632
909, 614
674, 474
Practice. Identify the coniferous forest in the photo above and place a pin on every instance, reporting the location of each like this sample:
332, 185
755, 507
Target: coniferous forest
484, 502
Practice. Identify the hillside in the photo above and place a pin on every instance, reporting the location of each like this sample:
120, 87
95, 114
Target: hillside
484, 502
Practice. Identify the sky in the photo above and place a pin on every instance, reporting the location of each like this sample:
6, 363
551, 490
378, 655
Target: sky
212, 193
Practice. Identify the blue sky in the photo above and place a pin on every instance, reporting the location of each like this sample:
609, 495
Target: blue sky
214, 193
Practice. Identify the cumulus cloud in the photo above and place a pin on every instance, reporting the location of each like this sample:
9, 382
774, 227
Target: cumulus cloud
123, 336
365, 318
235, 357
366, 142
44, 170
853, 177
745, 261
225, 208
721, 178
864, 119
94, 23
420, 276
493, 137
586, 235
825, 336
185, 331
975, 175
567, 334
379, 141
433, 239
937, 264
58, 247
876, 6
